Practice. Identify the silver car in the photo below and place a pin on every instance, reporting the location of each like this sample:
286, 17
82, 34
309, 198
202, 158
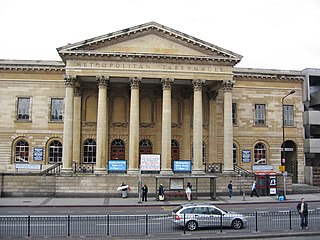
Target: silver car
206, 215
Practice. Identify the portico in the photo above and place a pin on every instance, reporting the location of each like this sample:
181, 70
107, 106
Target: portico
150, 83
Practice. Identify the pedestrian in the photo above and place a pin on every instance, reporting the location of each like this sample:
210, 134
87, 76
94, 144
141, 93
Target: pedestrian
124, 190
189, 191
254, 189
230, 189
144, 193
302, 208
161, 192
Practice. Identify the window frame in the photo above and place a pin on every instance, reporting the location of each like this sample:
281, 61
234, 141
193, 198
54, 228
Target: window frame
60, 116
260, 115
234, 114
288, 120
19, 109
26, 153
55, 151
258, 152
89, 155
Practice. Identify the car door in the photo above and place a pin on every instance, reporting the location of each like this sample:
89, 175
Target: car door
215, 216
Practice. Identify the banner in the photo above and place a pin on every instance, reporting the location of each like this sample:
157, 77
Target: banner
150, 162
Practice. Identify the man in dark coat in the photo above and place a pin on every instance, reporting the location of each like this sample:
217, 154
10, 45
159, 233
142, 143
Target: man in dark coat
302, 208
144, 193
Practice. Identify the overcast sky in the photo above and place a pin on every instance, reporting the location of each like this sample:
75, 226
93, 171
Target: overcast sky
273, 34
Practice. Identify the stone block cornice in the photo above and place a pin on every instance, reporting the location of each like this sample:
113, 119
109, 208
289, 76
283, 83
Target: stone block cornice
31, 65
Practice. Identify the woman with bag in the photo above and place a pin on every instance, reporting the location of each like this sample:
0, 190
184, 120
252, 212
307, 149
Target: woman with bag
161, 192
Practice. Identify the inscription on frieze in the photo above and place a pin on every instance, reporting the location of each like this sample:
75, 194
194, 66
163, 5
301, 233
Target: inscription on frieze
147, 66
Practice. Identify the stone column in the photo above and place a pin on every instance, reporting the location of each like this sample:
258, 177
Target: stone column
68, 125
134, 126
102, 126
166, 126
77, 124
186, 94
197, 126
227, 125
212, 148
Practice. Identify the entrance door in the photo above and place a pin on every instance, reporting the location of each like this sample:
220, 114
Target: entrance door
291, 160
175, 152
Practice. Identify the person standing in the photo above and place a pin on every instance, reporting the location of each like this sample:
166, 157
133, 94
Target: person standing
302, 208
161, 192
189, 191
254, 189
230, 189
124, 190
144, 193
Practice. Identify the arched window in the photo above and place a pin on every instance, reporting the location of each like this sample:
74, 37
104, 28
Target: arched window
21, 151
235, 154
89, 151
145, 146
117, 149
260, 154
55, 152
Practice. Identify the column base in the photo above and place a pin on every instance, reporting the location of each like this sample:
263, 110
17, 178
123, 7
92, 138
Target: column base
133, 171
198, 172
100, 171
166, 172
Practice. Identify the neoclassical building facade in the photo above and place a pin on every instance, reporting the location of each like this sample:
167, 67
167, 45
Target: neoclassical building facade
149, 89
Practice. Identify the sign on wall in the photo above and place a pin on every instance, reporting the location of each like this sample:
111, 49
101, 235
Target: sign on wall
150, 162
38, 154
117, 166
182, 165
246, 156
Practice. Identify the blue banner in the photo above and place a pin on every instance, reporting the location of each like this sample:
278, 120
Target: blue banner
117, 166
182, 165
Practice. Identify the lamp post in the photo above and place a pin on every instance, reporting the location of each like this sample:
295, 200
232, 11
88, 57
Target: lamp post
283, 160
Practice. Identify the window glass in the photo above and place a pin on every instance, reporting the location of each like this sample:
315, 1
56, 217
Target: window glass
234, 113
288, 115
56, 109
21, 151
89, 151
23, 109
55, 152
235, 154
260, 154
187, 210
260, 115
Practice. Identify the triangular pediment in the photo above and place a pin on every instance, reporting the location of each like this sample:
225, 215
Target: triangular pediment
150, 39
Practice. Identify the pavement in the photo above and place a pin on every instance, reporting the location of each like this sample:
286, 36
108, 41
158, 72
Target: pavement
311, 194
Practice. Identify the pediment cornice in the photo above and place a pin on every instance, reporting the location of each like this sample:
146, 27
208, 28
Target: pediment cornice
206, 51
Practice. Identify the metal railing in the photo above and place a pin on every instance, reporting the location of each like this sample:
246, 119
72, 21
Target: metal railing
117, 225
56, 168
83, 168
213, 167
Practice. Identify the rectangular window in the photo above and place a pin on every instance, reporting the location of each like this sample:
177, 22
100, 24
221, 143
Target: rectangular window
234, 113
288, 115
260, 114
56, 109
23, 109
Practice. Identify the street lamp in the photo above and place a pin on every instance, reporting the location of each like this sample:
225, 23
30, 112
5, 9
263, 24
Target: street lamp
283, 160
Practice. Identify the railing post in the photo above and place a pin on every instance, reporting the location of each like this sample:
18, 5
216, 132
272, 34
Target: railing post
68, 230
29, 226
290, 219
147, 225
108, 225
221, 222
256, 221
184, 223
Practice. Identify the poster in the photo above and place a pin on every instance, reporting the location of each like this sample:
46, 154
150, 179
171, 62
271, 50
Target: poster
150, 162
182, 165
38, 154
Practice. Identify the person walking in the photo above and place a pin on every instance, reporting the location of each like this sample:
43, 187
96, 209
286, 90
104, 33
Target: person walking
254, 189
302, 208
230, 189
189, 191
161, 192
144, 193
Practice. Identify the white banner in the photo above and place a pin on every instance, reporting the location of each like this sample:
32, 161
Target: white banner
150, 162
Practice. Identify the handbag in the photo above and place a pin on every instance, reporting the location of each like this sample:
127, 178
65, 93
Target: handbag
161, 197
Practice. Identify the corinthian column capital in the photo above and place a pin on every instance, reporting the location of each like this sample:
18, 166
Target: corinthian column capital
228, 84
134, 82
167, 83
70, 80
197, 84
103, 81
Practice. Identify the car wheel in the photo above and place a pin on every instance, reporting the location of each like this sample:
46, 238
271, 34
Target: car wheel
192, 225
237, 224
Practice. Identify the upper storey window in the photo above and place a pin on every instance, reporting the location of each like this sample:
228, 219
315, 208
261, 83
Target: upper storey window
260, 114
23, 108
56, 109
288, 115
